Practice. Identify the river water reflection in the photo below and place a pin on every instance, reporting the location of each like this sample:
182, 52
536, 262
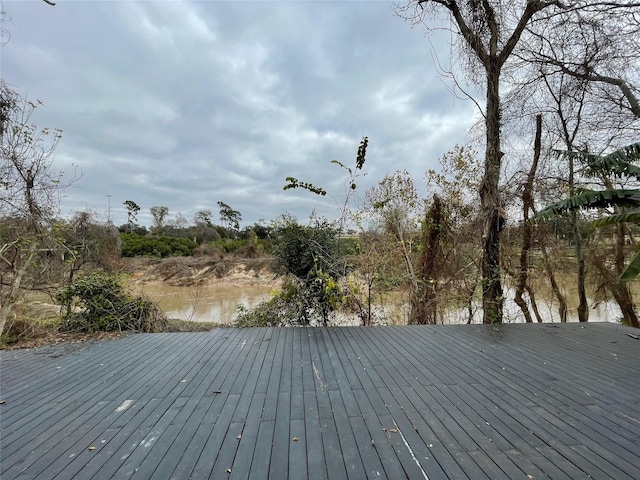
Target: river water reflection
218, 303
206, 303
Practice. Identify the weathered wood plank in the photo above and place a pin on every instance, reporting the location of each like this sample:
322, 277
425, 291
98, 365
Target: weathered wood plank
299, 448
262, 455
282, 438
550, 401
353, 463
218, 430
316, 458
248, 442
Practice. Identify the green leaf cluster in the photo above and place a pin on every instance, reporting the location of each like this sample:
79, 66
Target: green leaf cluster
300, 302
134, 245
231, 245
295, 183
302, 249
618, 163
100, 302
312, 257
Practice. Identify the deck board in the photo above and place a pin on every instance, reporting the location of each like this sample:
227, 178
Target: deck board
558, 401
282, 438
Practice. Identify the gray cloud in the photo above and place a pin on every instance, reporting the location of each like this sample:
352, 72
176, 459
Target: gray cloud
185, 104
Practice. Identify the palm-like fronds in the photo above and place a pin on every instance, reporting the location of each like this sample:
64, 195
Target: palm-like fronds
632, 270
627, 216
617, 164
593, 199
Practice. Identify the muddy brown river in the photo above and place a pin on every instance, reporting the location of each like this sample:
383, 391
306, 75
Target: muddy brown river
218, 303
205, 303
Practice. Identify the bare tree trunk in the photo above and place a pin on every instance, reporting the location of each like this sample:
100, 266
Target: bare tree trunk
492, 295
620, 290
623, 297
534, 304
470, 296
521, 302
527, 228
555, 288
583, 305
609, 275
9, 296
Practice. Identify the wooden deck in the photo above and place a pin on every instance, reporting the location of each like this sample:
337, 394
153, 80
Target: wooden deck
445, 402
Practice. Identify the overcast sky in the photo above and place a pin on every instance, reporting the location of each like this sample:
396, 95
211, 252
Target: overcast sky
187, 103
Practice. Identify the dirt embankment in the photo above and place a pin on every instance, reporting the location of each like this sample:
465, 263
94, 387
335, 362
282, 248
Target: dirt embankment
187, 271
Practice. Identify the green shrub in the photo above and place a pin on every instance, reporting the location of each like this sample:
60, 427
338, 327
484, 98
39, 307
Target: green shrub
265, 314
303, 250
100, 302
312, 257
134, 245
300, 302
231, 245
349, 246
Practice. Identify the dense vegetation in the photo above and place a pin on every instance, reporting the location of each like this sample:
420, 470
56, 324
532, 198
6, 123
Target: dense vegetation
135, 245
563, 131
100, 302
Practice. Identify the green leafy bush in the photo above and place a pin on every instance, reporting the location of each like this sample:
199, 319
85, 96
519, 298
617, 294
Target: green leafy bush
266, 314
314, 261
300, 302
231, 245
288, 307
134, 245
303, 250
100, 302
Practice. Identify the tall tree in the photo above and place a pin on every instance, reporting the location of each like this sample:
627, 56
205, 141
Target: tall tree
132, 212
394, 201
180, 222
29, 196
203, 217
424, 302
581, 69
229, 217
528, 206
490, 31
458, 265
203, 230
159, 214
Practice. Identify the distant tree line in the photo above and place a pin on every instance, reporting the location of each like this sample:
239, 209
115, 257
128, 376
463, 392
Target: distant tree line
176, 237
